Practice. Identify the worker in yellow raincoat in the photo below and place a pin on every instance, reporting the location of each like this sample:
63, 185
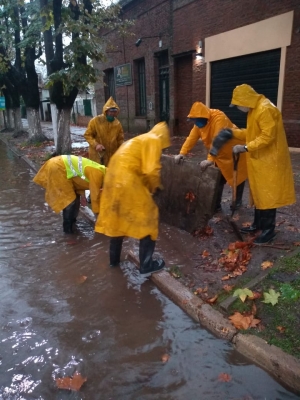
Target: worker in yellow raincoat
127, 207
268, 159
104, 133
207, 124
65, 179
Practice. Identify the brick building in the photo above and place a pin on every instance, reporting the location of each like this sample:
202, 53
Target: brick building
183, 51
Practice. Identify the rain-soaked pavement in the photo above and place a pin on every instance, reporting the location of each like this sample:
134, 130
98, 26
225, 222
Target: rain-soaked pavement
111, 327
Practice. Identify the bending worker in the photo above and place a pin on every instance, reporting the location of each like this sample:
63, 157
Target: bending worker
65, 179
127, 207
268, 159
104, 133
207, 124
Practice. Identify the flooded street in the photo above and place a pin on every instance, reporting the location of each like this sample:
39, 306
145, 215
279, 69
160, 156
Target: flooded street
63, 310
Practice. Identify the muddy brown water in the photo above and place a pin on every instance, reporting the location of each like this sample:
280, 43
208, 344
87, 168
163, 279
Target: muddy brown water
113, 327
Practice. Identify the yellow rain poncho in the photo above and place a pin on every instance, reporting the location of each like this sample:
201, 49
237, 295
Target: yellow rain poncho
268, 160
127, 207
61, 191
217, 120
109, 134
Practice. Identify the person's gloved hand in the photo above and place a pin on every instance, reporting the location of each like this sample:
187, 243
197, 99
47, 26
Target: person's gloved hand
239, 149
204, 164
179, 158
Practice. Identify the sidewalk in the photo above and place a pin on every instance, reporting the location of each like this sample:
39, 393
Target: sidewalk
206, 269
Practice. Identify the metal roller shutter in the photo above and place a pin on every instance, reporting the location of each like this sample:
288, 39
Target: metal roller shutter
259, 70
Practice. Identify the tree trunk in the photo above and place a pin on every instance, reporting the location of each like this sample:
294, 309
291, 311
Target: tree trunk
34, 126
17, 119
9, 119
64, 143
54, 117
2, 121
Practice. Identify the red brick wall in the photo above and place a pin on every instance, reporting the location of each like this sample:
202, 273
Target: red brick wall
152, 17
197, 20
182, 24
183, 77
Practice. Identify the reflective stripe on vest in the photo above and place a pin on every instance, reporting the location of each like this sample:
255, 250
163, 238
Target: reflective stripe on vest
81, 174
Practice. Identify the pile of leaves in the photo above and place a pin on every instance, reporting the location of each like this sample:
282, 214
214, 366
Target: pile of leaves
235, 259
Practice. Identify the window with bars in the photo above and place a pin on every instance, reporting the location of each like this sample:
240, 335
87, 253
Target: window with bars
109, 84
140, 87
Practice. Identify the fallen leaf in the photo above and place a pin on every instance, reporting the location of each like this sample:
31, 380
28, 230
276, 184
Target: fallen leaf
243, 321
291, 228
266, 264
281, 329
212, 300
70, 242
71, 383
242, 293
226, 277
205, 254
165, 358
255, 295
271, 297
201, 290
81, 279
228, 288
223, 377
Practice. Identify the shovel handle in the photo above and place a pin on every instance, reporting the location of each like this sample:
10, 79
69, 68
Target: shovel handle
236, 158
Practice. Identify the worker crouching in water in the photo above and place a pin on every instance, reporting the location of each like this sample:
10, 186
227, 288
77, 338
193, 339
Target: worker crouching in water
65, 179
127, 207
207, 124
269, 166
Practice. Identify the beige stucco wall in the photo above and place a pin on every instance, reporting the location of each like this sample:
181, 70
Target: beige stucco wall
269, 34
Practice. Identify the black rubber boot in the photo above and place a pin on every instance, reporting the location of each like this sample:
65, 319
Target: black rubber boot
256, 223
239, 196
69, 217
219, 194
147, 265
267, 220
77, 207
115, 248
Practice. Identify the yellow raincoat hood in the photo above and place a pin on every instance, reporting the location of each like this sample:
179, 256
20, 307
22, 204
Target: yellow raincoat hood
110, 104
199, 110
162, 131
244, 95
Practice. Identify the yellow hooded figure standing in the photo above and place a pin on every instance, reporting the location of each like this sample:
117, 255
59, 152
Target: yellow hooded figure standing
207, 124
268, 159
104, 133
127, 207
65, 179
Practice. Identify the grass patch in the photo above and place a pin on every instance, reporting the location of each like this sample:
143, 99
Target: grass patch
280, 323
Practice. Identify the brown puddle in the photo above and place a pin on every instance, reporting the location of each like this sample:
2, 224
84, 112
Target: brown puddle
63, 310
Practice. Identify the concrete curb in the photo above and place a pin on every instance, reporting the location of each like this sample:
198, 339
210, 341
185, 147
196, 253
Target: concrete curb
282, 366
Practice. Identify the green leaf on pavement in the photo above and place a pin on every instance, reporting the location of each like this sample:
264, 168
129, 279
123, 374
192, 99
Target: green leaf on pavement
271, 297
243, 293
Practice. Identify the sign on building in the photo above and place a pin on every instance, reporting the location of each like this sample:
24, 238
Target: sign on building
2, 103
123, 76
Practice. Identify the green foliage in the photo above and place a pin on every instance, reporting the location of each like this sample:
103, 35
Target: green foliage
289, 293
175, 271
